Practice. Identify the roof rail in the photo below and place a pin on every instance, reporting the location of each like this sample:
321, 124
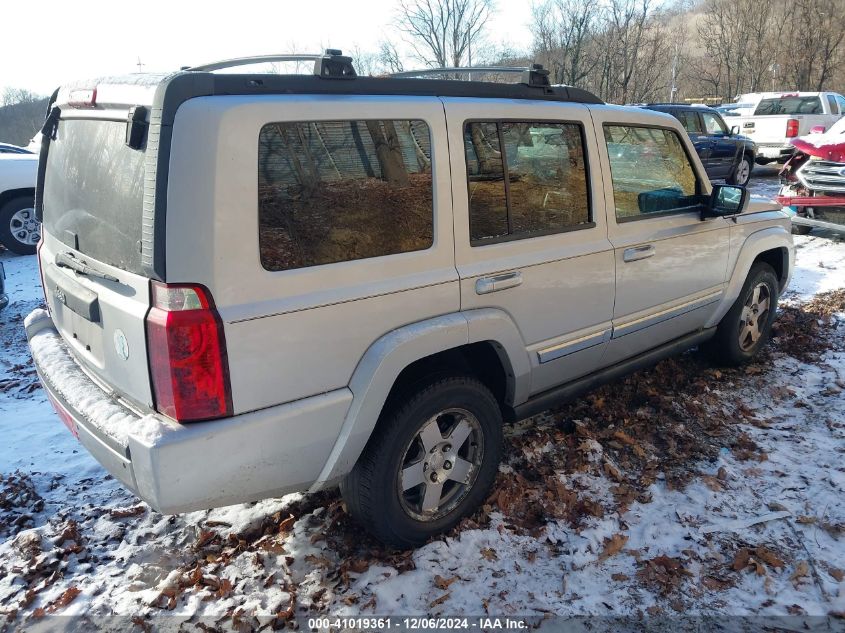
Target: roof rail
331, 64
535, 75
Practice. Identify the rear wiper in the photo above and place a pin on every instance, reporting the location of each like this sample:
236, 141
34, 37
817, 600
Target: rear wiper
69, 260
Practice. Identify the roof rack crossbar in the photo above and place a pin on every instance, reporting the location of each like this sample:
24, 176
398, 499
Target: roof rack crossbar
535, 75
330, 64
459, 70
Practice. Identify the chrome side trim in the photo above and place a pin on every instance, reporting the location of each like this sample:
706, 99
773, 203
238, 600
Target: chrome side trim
570, 347
664, 315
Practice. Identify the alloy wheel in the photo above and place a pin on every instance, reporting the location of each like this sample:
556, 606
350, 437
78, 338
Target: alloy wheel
440, 464
24, 227
754, 316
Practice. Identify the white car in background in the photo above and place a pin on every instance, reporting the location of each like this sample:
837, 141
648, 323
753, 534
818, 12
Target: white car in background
19, 229
782, 116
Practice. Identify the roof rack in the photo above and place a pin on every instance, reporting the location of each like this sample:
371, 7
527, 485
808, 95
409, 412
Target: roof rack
535, 75
331, 64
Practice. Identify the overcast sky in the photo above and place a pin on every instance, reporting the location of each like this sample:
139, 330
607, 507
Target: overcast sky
47, 43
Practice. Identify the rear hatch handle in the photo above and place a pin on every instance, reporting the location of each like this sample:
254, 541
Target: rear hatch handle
67, 259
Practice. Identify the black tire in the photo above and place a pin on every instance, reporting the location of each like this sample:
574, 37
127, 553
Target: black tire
731, 346
10, 239
801, 229
372, 491
745, 167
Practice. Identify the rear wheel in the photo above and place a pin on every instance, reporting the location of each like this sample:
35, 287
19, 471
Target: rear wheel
19, 230
742, 173
430, 462
746, 327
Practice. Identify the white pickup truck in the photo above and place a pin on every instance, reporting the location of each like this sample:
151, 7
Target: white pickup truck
782, 116
19, 229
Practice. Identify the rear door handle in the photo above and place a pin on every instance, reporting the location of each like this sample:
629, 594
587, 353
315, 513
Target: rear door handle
638, 252
485, 285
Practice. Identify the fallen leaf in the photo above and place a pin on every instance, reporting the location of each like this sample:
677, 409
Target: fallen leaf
439, 600
489, 554
612, 546
443, 583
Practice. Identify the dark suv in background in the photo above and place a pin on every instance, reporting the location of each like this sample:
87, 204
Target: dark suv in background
724, 153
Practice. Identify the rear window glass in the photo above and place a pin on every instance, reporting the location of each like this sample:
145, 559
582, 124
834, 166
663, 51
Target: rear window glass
790, 105
525, 179
334, 191
93, 192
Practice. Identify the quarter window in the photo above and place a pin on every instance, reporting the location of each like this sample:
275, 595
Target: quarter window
333, 191
525, 179
650, 170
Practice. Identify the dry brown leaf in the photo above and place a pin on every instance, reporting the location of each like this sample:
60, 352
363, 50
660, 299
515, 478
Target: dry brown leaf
63, 600
612, 546
802, 570
715, 584
835, 572
443, 583
287, 524
489, 554
439, 600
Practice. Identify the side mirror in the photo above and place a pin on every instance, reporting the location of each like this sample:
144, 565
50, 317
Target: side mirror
725, 200
734, 130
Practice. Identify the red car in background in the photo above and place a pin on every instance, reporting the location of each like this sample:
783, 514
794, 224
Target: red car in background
813, 180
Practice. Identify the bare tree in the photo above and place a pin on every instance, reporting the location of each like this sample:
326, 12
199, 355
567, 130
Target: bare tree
562, 31
442, 32
389, 57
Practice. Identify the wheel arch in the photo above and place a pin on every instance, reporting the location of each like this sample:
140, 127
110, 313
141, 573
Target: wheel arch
772, 245
11, 194
484, 343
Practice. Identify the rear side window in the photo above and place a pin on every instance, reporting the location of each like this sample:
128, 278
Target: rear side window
651, 172
334, 191
831, 101
789, 105
689, 120
525, 179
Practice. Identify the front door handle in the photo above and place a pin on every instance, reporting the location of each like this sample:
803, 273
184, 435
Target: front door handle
638, 252
485, 285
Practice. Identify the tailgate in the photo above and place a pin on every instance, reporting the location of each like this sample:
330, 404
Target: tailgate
765, 129
96, 291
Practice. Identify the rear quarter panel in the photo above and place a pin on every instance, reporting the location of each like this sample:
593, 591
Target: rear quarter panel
296, 333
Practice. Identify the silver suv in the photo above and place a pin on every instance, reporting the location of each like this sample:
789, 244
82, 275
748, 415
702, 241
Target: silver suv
260, 284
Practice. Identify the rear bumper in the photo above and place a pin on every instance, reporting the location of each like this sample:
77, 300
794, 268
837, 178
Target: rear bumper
772, 153
179, 468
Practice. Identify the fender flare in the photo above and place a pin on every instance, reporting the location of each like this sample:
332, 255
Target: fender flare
773, 237
385, 359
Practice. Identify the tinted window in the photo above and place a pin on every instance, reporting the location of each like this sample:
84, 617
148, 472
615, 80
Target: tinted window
525, 179
831, 101
790, 105
650, 170
689, 120
93, 191
334, 191
841, 101
713, 124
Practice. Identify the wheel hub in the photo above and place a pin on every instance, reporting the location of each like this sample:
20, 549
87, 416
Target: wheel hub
754, 317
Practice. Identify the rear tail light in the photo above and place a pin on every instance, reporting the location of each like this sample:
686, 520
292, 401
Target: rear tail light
792, 128
187, 354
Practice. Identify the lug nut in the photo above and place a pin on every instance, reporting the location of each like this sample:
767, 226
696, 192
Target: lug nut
434, 477
447, 465
447, 448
